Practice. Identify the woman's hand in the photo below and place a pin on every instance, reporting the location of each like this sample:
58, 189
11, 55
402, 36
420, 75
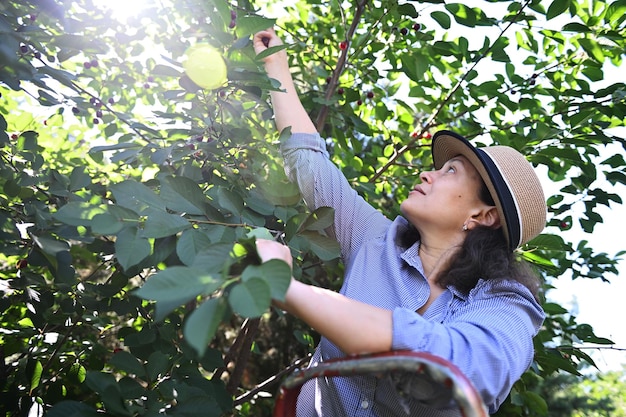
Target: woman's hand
265, 39
269, 249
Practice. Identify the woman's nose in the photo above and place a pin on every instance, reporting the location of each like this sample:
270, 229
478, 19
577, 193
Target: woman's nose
426, 176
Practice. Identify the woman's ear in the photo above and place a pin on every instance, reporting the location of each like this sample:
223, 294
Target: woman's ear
488, 216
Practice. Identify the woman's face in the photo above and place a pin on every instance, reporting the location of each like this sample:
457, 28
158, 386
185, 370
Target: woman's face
445, 199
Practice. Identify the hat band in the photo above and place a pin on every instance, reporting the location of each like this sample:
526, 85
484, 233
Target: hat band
507, 201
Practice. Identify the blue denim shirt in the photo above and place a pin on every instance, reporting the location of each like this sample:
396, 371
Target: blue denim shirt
487, 333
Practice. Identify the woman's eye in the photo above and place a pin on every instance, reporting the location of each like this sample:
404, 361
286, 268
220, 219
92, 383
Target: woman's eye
451, 169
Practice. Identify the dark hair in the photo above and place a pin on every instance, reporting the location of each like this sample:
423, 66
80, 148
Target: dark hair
484, 254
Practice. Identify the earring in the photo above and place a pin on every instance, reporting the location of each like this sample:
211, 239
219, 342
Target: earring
464, 227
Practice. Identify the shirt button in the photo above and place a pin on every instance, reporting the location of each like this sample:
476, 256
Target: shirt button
365, 404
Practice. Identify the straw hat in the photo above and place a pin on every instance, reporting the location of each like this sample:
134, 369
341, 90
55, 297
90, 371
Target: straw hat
511, 181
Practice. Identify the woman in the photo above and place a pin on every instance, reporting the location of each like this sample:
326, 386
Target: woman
442, 278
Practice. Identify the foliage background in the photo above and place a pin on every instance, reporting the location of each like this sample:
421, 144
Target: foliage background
130, 197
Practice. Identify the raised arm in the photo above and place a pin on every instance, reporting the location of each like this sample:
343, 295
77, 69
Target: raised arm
288, 109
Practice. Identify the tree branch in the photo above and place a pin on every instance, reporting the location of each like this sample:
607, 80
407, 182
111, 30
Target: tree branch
445, 101
341, 62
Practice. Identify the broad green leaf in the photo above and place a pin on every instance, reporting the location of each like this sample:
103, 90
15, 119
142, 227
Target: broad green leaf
251, 298
50, 245
249, 25
442, 18
270, 51
136, 196
179, 284
157, 365
230, 201
202, 323
130, 248
106, 224
160, 224
213, 259
190, 243
72, 409
324, 247
592, 48
556, 8
320, 219
125, 361
78, 213
35, 374
183, 195
275, 272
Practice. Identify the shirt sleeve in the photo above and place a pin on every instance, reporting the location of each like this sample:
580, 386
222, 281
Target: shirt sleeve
322, 184
488, 337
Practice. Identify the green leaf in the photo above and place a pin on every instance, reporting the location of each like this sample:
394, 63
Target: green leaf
190, 243
593, 49
177, 285
213, 259
125, 361
320, 219
136, 196
72, 409
161, 224
183, 195
442, 18
324, 247
157, 365
106, 224
270, 51
275, 272
130, 248
230, 201
36, 368
202, 323
556, 8
78, 213
248, 25
251, 298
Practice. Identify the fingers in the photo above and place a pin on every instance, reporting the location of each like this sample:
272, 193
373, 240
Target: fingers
265, 39
269, 249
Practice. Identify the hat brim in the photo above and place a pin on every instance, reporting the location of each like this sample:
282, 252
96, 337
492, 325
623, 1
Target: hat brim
446, 145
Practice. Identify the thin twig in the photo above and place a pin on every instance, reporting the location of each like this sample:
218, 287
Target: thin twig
270, 381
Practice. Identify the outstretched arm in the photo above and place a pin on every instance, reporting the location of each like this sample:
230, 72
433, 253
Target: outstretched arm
288, 109
353, 326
